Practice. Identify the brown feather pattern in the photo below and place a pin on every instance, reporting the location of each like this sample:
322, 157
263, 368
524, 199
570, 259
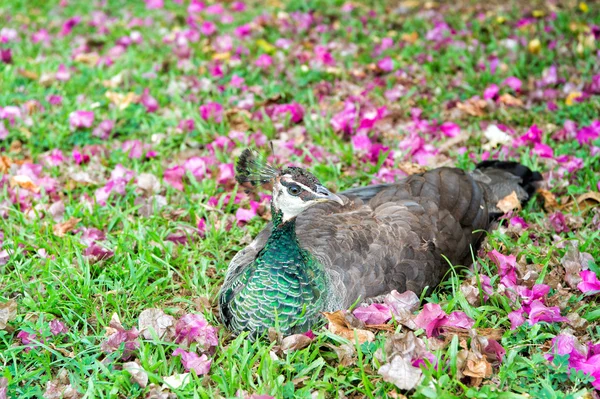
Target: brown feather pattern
395, 236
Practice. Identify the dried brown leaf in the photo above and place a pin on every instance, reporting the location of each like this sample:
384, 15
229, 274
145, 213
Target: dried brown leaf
274, 335
488, 333
473, 107
477, 368
402, 307
177, 381
572, 264
61, 229
508, 99
90, 59
411, 168
157, 392
60, 388
339, 326
550, 203
156, 320
584, 201
24, 182
295, 342
410, 37
346, 354
122, 101
509, 203
5, 163
63, 351
148, 183
137, 372
3, 387
404, 344
8, 312
238, 119
27, 74
401, 372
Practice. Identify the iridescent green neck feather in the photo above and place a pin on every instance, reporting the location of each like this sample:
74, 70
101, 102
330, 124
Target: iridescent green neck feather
285, 287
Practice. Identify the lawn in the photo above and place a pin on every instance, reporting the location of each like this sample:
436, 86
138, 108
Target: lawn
121, 121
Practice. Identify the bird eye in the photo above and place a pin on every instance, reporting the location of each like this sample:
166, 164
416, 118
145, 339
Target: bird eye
294, 190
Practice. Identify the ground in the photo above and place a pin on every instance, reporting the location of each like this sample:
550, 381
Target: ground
120, 123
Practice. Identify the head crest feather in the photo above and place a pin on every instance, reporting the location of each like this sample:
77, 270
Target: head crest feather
253, 168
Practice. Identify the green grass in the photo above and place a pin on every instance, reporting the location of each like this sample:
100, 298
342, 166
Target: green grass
50, 278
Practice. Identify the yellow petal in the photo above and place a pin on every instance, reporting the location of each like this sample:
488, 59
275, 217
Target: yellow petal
221, 56
538, 13
534, 46
583, 7
265, 46
574, 95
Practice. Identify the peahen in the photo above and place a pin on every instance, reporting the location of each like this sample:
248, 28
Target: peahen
323, 252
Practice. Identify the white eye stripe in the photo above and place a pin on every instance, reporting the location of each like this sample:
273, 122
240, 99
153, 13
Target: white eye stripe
302, 186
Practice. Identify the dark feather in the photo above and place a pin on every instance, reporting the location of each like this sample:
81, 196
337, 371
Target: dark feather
398, 236
253, 168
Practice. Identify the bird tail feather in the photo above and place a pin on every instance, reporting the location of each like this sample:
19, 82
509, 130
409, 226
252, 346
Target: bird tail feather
504, 177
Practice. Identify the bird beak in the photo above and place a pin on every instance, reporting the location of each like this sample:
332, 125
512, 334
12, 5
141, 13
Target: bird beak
325, 195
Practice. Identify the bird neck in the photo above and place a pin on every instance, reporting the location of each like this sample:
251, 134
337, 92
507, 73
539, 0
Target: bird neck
283, 236
277, 218
285, 286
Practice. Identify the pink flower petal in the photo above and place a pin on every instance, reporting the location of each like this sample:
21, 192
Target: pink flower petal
196, 166
104, 129
174, 177
361, 143
191, 361
513, 82
533, 136
543, 150
244, 215
69, 25
148, 101
590, 284
519, 222
540, 312
201, 227
81, 119
263, 61
538, 291
386, 64
450, 129
226, 173
97, 252
373, 314
558, 222
495, 348
516, 318
63, 73
491, 92
429, 318
293, 110
194, 328
457, 319
567, 344
507, 267
154, 4
401, 304
211, 110
57, 327
91, 235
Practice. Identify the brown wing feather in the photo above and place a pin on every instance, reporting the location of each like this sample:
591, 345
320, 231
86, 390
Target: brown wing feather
396, 238
390, 236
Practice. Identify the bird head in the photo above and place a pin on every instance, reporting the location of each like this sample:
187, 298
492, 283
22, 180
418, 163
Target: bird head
294, 189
